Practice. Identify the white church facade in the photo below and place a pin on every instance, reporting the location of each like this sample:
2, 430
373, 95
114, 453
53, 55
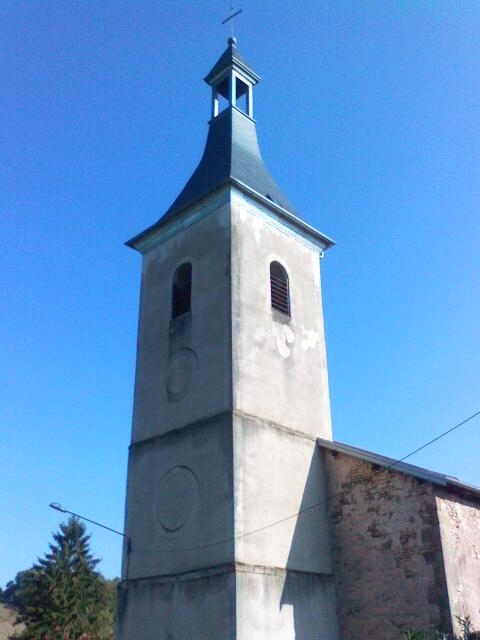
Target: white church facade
246, 520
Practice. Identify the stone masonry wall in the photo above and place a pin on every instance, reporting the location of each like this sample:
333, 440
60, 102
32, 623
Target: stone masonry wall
460, 530
386, 548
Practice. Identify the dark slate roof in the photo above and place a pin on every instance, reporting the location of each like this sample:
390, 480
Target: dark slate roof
231, 153
230, 57
232, 156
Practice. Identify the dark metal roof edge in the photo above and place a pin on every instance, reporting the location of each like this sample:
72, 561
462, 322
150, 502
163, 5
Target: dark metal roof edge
235, 59
384, 461
132, 242
403, 467
165, 221
286, 215
464, 486
211, 79
247, 70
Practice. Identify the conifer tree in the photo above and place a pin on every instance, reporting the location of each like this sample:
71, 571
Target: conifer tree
63, 597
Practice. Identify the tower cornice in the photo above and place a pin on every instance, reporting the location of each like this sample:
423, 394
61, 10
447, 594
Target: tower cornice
232, 157
166, 228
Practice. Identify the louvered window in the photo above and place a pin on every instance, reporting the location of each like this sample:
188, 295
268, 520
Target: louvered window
280, 295
182, 290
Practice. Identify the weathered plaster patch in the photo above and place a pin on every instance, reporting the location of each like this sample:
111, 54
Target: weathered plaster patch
257, 223
257, 226
310, 338
283, 336
242, 213
259, 335
316, 271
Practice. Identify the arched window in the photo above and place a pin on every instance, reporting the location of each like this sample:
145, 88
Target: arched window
279, 292
182, 290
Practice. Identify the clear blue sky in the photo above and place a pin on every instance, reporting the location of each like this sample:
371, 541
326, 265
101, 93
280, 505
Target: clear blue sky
368, 118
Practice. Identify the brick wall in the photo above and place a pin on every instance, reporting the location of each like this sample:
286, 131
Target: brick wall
386, 549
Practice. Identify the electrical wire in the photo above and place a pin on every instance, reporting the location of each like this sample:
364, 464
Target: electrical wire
344, 491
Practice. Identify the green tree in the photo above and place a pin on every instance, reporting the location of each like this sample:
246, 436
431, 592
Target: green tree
466, 627
63, 597
10, 594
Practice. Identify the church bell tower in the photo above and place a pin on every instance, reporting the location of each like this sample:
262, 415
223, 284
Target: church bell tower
225, 503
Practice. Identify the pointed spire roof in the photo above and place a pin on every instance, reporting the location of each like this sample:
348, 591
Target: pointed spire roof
230, 58
232, 154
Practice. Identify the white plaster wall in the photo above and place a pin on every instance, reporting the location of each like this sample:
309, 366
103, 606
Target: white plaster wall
201, 477
277, 474
280, 606
186, 609
460, 533
205, 332
279, 363
195, 499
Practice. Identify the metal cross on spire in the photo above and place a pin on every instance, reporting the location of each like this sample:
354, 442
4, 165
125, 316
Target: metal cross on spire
231, 16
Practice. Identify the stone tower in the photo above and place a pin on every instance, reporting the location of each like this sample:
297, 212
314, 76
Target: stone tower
231, 391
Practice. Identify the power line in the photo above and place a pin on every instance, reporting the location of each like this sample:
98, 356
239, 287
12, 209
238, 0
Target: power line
317, 504
445, 433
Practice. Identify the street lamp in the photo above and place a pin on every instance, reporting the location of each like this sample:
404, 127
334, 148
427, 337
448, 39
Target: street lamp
58, 507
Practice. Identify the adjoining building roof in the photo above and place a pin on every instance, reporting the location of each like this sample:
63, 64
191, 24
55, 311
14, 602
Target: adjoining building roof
434, 477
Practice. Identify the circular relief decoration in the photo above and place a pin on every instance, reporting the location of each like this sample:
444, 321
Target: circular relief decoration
177, 499
180, 369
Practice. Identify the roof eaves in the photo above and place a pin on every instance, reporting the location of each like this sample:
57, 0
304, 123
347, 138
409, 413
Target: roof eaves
248, 71
305, 229
230, 59
384, 461
466, 491
134, 242
464, 487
